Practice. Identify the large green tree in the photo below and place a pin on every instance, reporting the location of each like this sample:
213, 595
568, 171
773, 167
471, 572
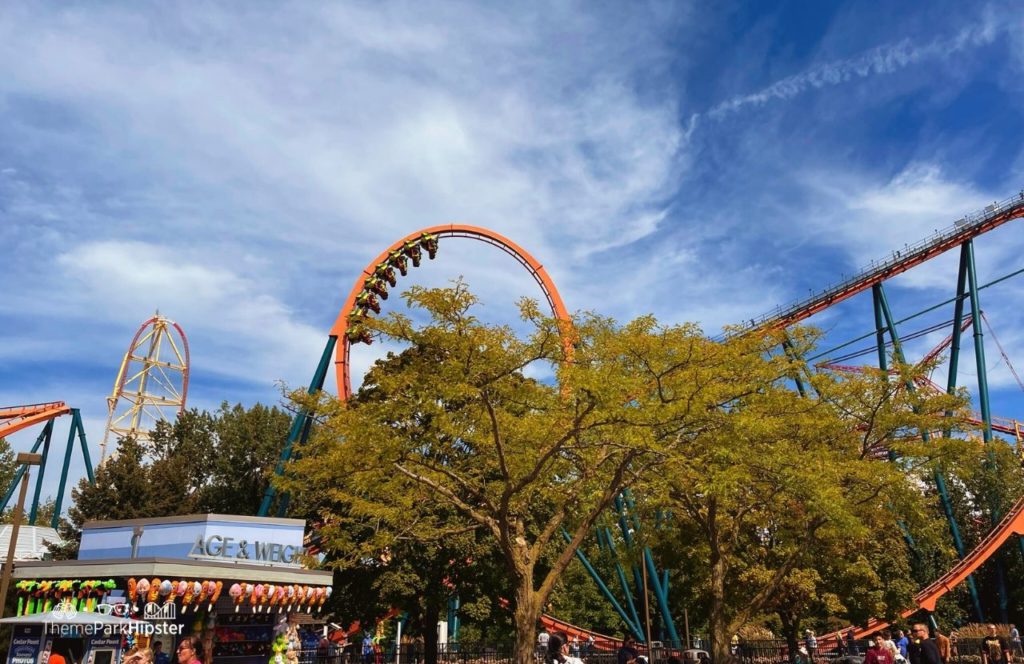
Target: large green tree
464, 422
779, 487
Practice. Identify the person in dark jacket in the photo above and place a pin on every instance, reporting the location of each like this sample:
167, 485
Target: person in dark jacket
921, 649
627, 652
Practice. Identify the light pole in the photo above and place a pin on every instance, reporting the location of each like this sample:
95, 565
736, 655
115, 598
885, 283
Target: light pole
29, 460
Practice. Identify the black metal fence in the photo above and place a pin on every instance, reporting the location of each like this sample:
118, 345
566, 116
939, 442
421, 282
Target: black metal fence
963, 651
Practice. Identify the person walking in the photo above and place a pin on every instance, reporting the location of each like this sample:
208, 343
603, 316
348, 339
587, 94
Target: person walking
994, 649
901, 643
879, 652
943, 644
627, 652
811, 643
851, 642
921, 649
558, 651
368, 649
542, 642
190, 650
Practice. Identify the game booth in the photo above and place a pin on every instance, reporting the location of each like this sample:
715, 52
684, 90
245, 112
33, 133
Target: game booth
236, 582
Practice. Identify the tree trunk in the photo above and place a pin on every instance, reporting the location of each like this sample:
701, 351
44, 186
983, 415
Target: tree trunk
790, 627
429, 626
526, 614
717, 622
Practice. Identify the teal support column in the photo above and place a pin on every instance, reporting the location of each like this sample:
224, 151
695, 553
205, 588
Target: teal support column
954, 364
298, 423
876, 298
453, 619
634, 627
621, 574
76, 422
18, 475
653, 578
940, 481
46, 435
983, 401
787, 347
627, 537
979, 345
55, 521
282, 507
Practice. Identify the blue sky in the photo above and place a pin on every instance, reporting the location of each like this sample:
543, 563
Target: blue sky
235, 165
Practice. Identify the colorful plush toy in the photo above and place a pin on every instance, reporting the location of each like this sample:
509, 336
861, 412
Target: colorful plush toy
39, 596
323, 600
154, 590
236, 594
48, 587
166, 591
86, 589
65, 588
205, 588
256, 597
24, 589
310, 597
192, 589
142, 590
106, 587
278, 649
133, 591
215, 595
180, 589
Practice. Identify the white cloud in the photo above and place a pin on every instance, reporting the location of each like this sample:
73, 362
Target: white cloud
884, 59
241, 330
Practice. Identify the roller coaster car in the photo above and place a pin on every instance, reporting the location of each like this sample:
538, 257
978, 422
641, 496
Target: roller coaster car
385, 272
429, 243
398, 260
359, 335
413, 251
377, 286
366, 300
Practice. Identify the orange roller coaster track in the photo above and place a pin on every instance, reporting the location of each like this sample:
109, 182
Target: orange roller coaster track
16, 418
964, 229
340, 329
372, 283
927, 598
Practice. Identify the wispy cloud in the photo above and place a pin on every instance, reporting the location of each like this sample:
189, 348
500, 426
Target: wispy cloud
884, 59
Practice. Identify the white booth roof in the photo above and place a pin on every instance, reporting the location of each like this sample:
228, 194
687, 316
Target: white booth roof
32, 541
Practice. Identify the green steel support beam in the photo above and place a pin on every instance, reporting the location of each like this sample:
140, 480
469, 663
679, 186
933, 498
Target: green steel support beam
55, 521
876, 298
846, 344
282, 507
787, 347
983, 402
76, 421
940, 481
954, 364
582, 557
979, 345
298, 423
46, 435
18, 475
627, 537
621, 574
653, 578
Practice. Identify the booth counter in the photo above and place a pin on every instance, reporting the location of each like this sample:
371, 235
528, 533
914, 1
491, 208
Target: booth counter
236, 582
